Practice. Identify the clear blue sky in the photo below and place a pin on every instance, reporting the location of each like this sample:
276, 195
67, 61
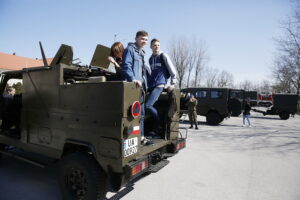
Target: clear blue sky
239, 34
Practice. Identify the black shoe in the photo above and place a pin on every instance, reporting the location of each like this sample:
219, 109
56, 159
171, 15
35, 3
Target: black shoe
147, 142
191, 126
153, 135
196, 127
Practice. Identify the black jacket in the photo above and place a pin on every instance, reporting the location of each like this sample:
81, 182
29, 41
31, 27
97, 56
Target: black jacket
247, 109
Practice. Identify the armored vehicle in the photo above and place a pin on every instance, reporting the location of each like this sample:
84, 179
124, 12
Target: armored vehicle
252, 96
212, 103
284, 105
90, 122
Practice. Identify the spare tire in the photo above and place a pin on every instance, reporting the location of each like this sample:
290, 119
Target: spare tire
235, 107
284, 115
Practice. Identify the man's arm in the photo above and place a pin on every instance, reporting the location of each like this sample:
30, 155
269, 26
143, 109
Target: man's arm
171, 68
127, 65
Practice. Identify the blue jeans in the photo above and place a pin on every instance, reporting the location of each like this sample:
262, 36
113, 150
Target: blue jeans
153, 97
248, 119
142, 99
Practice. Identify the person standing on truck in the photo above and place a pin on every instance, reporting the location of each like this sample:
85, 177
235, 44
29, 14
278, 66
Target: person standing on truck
116, 53
134, 70
162, 69
246, 113
192, 111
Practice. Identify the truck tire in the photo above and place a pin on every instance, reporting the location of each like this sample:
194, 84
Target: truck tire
213, 118
82, 178
284, 115
235, 107
2, 147
236, 113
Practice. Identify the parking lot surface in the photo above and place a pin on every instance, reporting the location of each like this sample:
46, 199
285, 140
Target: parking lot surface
225, 162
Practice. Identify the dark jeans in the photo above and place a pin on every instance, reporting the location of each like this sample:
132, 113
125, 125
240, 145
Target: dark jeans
153, 97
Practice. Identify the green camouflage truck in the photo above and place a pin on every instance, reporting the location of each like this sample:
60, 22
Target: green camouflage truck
90, 123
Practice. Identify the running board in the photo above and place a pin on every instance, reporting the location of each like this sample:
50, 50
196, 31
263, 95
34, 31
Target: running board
158, 166
23, 159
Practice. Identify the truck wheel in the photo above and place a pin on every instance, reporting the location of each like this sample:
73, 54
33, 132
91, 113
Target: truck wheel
2, 146
82, 178
213, 118
235, 113
284, 115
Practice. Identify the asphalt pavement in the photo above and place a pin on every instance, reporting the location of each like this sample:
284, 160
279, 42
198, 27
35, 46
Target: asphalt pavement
226, 162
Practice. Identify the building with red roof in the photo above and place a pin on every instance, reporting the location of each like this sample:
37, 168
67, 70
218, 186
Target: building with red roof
14, 62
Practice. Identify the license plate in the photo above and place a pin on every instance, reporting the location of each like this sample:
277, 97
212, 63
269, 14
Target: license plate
130, 146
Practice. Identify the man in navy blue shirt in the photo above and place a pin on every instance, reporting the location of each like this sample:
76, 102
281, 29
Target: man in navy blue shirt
161, 70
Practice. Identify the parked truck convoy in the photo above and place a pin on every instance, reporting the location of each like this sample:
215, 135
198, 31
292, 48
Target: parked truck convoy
284, 105
81, 117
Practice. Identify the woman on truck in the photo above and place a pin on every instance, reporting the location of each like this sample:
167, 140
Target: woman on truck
116, 52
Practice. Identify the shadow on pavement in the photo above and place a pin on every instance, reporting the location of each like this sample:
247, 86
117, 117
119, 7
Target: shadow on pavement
20, 180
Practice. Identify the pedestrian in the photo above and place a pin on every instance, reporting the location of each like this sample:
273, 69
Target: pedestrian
116, 53
192, 111
246, 113
134, 70
162, 69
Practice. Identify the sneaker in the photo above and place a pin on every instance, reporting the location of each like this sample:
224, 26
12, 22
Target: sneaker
249, 126
191, 127
197, 127
244, 125
147, 142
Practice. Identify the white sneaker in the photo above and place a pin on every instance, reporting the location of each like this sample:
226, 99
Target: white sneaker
244, 125
250, 126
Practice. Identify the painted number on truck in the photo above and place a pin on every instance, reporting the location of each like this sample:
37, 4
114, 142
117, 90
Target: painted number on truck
130, 146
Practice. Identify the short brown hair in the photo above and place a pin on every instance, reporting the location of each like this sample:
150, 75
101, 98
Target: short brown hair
141, 33
154, 40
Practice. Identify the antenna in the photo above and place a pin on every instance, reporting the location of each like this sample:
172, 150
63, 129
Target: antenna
43, 55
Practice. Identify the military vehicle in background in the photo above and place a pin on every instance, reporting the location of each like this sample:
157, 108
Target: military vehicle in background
252, 97
284, 105
212, 103
82, 117
264, 99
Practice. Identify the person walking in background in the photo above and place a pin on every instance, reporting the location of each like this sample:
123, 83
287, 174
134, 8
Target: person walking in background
134, 70
192, 111
161, 70
246, 113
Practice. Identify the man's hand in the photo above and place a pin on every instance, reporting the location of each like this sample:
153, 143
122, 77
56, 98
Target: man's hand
137, 83
171, 88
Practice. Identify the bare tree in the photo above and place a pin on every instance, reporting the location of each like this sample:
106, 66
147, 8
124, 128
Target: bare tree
211, 75
286, 69
246, 85
201, 60
192, 58
225, 79
179, 53
265, 86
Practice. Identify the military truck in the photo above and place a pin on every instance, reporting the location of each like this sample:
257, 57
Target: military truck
284, 105
252, 97
212, 103
89, 122
235, 101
